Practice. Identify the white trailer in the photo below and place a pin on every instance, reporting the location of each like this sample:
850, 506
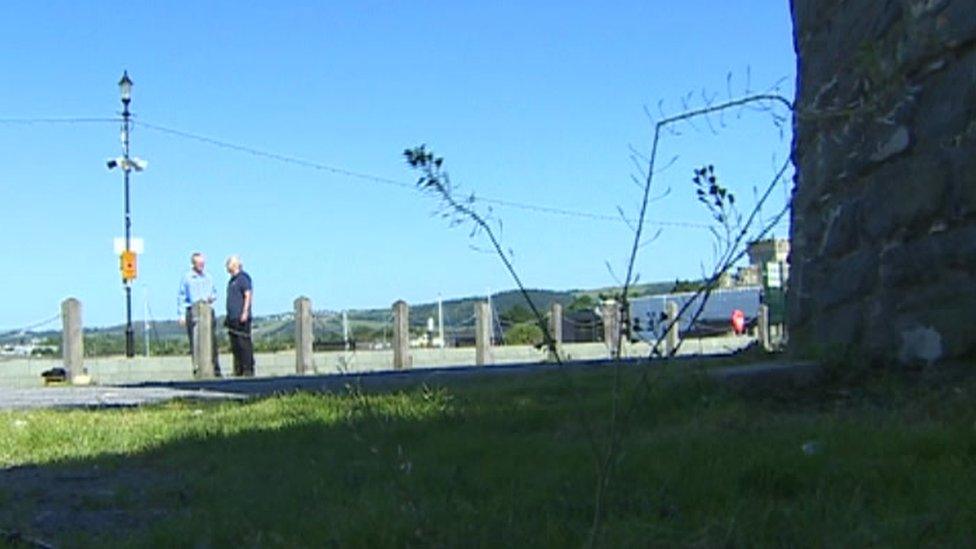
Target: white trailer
648, 321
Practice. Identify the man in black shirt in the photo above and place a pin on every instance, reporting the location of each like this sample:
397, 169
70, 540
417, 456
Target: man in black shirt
238, 319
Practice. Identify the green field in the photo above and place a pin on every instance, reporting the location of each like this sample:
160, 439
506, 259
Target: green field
882, 460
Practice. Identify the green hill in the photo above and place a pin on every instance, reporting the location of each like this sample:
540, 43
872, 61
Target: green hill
373, 324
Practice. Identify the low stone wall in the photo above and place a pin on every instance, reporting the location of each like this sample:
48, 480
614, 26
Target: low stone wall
21, 373
883, 257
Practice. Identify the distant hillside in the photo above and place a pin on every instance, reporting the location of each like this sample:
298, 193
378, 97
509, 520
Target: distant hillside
637, 290
458, 314
460, 309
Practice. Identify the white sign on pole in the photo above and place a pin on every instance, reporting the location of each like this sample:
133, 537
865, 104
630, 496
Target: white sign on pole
135, 244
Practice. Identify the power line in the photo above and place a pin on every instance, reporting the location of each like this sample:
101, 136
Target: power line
392, 182
58, 120
590, 215
286, 159
31, 327
274, 156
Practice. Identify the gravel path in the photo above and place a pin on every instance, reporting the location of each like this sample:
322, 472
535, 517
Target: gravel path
99, 397
235, 389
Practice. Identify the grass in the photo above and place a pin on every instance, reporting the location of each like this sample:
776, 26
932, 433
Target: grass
887, 460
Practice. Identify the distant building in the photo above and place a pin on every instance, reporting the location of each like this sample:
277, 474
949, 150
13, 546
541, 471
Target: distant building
582, 326
648, 319
771, 250
767, 265
28, 347
748, 276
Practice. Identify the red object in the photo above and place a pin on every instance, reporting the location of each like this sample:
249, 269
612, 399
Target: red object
738, 321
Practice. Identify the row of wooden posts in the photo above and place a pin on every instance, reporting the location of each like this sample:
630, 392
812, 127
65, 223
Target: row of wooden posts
73, 343
73, 334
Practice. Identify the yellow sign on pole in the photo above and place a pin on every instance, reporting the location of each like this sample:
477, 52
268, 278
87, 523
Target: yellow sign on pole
127, 263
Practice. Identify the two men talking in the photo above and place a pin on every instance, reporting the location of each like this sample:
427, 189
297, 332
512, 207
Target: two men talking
197, 285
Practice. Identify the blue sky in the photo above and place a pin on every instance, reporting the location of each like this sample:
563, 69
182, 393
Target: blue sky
534, 102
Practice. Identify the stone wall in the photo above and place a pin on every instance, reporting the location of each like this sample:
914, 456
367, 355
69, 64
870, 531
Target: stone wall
884, 218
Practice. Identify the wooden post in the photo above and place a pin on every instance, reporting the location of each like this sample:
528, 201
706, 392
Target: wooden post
671, 340
482, 337
202, 341
304, 337
72, 337
556, 329
762, 325
611, 326
401, 335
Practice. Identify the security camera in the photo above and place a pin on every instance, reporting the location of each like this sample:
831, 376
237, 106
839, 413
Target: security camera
136, 164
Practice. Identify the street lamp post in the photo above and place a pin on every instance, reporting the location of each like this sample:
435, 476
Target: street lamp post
125, 91
128, 255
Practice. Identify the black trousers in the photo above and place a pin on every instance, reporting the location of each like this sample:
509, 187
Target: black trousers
190, 322
242, 347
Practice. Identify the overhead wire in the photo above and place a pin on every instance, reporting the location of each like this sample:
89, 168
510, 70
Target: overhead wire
30, 327
287, 159
59, 120
392, 182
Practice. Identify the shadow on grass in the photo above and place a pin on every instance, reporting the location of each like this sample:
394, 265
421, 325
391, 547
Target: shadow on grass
425, 466
505, 462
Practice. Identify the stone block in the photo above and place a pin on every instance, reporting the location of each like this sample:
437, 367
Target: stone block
847, 279
823, 166
895, 142
956, 25
808, 219
861, 26
947, 321
963, 187
903, 196
887, 16
842, 234
945, 303
945, 103
928, 257
841, 326
934, 27
812, 15
878, 333
805, 279
920, 344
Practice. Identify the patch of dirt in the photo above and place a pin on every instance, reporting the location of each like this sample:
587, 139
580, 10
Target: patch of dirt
69, 505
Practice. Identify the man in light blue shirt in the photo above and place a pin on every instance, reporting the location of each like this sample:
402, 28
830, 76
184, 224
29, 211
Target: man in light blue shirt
197, 286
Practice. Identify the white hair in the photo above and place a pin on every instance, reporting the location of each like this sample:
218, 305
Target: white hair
234, 260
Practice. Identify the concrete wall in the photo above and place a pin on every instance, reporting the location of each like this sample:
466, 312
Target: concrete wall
115, 370
884, 219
